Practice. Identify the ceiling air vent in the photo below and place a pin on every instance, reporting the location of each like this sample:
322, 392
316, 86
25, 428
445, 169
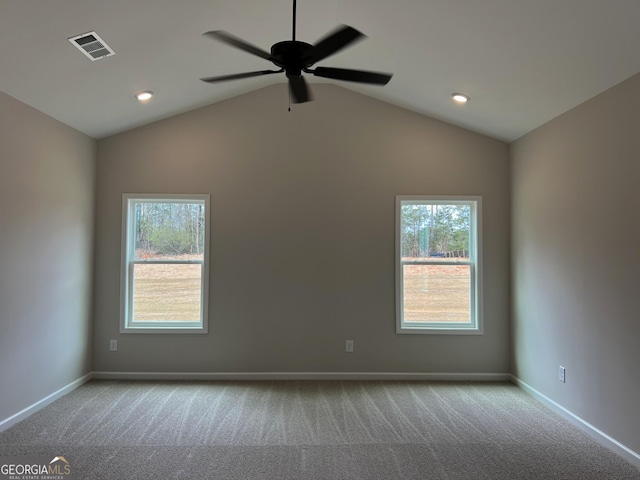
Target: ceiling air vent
92, 46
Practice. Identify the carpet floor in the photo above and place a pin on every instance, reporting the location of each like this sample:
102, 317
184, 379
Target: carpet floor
310, 430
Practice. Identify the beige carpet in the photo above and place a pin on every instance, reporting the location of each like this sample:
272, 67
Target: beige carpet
310, 430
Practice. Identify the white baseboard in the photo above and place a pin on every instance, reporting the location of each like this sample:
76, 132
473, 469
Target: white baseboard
40, 404
594, 432
461, 377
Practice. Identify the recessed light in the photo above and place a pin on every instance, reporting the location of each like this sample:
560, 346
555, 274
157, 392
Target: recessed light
144, 95
460, 97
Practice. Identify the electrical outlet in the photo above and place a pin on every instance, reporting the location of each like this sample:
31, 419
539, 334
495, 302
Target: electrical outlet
113, 345
561, 374
349, 346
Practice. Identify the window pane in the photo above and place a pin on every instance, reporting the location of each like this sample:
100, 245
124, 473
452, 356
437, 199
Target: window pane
169, 230
434, 231
167, 292
436, 293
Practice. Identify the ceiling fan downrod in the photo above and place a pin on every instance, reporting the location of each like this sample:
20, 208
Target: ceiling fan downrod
294, 21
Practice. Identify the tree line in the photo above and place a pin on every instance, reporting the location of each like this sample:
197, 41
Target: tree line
169, 228
435, 230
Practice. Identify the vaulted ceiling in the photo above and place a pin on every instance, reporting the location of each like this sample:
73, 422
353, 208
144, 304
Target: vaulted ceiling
522, 62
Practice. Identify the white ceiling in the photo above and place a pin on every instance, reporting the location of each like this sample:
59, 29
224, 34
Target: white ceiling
523, 62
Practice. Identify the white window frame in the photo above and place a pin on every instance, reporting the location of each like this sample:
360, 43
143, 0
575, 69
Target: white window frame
128, 260
474, 327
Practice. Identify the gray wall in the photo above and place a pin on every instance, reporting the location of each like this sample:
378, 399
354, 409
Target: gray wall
46, 254
302, 233
576, 260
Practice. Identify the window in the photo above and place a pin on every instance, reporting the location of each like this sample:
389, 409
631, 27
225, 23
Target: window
438, 265
165, 258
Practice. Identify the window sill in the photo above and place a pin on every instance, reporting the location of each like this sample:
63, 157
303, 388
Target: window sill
165, 330
438, 330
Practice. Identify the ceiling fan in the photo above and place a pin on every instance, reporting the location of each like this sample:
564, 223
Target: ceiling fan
294, 57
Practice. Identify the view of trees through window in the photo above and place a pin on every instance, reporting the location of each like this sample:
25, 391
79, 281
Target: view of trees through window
169, 229
436, 268
165, 265
435, 230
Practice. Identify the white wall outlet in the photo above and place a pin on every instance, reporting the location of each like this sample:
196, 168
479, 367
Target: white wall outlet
561, 374
113, 345
349, 346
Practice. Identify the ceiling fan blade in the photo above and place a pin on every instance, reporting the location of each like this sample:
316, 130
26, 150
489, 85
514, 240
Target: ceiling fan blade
333, 43
235, 76
360, 76
299, 89
234, 41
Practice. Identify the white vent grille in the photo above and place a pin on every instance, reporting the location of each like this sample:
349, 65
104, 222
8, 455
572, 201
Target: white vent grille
92, 46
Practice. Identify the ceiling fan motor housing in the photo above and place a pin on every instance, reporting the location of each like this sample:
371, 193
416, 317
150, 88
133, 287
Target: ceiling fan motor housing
292, 56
